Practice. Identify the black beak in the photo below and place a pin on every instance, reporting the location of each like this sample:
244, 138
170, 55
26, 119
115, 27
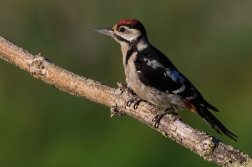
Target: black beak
106, 31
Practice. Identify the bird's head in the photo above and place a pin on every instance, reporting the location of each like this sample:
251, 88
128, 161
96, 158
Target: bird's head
129, 33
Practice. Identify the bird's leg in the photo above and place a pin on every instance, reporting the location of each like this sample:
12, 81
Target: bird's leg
158, 117
136, 100
123, 87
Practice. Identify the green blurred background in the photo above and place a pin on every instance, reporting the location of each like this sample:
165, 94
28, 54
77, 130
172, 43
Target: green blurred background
209, 41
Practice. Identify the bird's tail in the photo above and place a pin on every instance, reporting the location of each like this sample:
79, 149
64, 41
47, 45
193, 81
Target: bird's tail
214, 122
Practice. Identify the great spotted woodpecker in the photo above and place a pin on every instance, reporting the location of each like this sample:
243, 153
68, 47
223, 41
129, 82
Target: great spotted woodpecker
153, 77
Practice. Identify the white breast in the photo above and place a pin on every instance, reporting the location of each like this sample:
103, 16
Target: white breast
130, 71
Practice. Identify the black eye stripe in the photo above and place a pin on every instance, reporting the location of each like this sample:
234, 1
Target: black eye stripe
122, 39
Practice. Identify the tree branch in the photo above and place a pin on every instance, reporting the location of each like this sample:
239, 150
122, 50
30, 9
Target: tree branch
208, 147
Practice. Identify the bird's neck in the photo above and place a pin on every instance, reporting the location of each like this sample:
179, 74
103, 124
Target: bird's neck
142, 43
136, 45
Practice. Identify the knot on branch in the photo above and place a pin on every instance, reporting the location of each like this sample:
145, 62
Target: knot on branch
37, 66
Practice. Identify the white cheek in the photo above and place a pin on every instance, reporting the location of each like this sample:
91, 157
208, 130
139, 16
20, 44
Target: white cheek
130, 35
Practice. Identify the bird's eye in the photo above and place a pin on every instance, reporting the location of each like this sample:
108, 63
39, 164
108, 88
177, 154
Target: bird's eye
121, 29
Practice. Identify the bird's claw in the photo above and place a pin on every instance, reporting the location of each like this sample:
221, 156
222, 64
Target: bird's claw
123, 87
135, 100
157, 119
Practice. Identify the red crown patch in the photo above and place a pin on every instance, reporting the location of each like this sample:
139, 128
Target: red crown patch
127, 22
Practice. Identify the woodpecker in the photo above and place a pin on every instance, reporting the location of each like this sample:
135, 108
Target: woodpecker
154, 78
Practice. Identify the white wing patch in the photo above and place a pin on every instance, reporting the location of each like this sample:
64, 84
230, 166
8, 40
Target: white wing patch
174, 75
153, 63
181, 89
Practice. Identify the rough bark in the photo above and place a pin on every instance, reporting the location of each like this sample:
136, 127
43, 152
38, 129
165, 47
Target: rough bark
208, 147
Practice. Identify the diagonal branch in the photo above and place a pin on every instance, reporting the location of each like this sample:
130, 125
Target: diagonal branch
208, 147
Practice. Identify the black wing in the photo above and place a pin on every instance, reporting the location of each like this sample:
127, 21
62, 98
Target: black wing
156, 70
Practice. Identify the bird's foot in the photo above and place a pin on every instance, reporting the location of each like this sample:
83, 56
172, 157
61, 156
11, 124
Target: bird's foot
158, 117
123, 88
135, 100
